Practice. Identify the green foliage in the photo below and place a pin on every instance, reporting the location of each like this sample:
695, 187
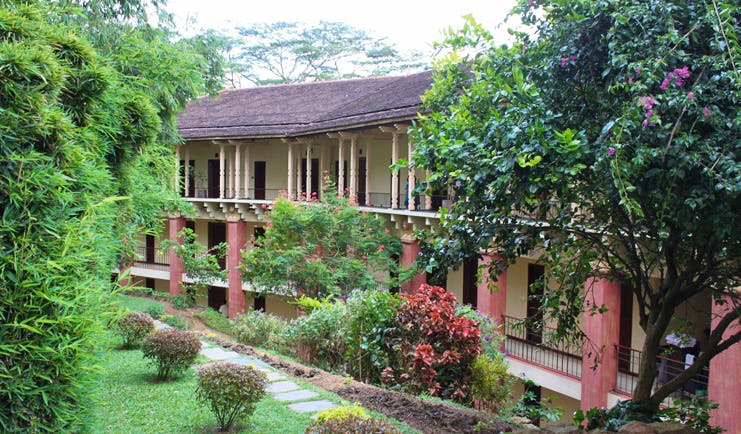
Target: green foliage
342, 412
617, 416
230, 390
492, 337
694, 413
176, 321
133, 327
609, 145
490, 381
201, 264
530, 408
256, 327
217, 321
283, 52
320, 335
156, 312
171, 351
321, 249
353, 424
371, 315
181, 302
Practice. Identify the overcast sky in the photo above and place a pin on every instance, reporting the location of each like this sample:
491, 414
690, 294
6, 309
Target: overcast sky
409, 24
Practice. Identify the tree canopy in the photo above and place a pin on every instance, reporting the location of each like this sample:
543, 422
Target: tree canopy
321, 248
605, 141
291, 52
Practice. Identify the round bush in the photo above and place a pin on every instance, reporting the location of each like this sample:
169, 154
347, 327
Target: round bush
352, 424
230, 390
171, 351
256, 327
341, 413
133, 328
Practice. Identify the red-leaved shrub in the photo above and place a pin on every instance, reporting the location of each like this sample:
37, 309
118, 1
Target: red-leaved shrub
433, 348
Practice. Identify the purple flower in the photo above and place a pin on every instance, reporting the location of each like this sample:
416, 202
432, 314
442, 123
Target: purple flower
571, 58
707, 112
667, 80
677, 76
611, 151
564, 62
647, 102
691, 96
683, 72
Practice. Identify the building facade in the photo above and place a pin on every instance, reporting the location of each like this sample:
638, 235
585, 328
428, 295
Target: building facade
246, 147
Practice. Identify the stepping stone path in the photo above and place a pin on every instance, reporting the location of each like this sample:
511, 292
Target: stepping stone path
280, 387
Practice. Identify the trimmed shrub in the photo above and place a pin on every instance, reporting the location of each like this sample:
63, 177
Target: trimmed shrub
259, 328
133, 328
156, 312
230, 390
175, 321
490, 381
371, 315
341, 412
320, 336
433, 348
171, 351
352, 424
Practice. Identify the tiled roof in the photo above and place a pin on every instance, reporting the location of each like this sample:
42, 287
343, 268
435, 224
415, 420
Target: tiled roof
297, 109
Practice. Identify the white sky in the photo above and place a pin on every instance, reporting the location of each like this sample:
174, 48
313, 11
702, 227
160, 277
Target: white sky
409, 24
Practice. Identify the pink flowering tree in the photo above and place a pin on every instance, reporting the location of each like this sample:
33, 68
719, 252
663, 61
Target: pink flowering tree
609, 145
321, 248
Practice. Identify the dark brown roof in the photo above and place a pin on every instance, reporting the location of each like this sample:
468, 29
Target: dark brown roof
297, 109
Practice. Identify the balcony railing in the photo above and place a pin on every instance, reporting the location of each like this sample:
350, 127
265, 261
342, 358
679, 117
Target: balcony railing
669, 365
150, 257
538, 347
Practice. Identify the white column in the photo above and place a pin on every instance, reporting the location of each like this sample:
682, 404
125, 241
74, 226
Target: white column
290, 171
428, 191
341, 170
308, 171
247, 167
237, 170
354, 169
395, 172
186, 171
222, 169
322, 169
410, 178
299, 171
367, 172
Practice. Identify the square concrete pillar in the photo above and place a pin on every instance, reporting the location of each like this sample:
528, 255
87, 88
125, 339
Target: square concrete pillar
724, 384
603, 334
409, 251
177, 268
236, 235
492, 301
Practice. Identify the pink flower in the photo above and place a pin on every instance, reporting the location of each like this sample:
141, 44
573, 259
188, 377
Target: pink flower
707, 112
571, 58
532, 3
677, 76
691, 96
611, 151
564, 62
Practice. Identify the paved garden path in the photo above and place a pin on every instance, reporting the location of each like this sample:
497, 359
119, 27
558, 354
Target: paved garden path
280, 387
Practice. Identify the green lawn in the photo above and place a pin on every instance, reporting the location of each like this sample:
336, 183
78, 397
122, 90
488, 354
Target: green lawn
125, 399
136, 304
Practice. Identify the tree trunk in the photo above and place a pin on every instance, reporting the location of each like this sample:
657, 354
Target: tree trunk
647, 366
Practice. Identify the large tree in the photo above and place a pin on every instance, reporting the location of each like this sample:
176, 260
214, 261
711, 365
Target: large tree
290, 52
607, 140
86, 163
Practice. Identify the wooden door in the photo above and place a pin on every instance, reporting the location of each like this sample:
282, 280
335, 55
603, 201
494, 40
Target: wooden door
213, 178
216, 235
470, 289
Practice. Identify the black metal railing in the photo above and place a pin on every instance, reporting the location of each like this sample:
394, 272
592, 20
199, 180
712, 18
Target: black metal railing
670, 363
150, 257
538, 347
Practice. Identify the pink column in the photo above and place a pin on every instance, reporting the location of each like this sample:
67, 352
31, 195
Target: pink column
490, 301
236, 234
603, 334
724, 385
409, 252
176, 224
